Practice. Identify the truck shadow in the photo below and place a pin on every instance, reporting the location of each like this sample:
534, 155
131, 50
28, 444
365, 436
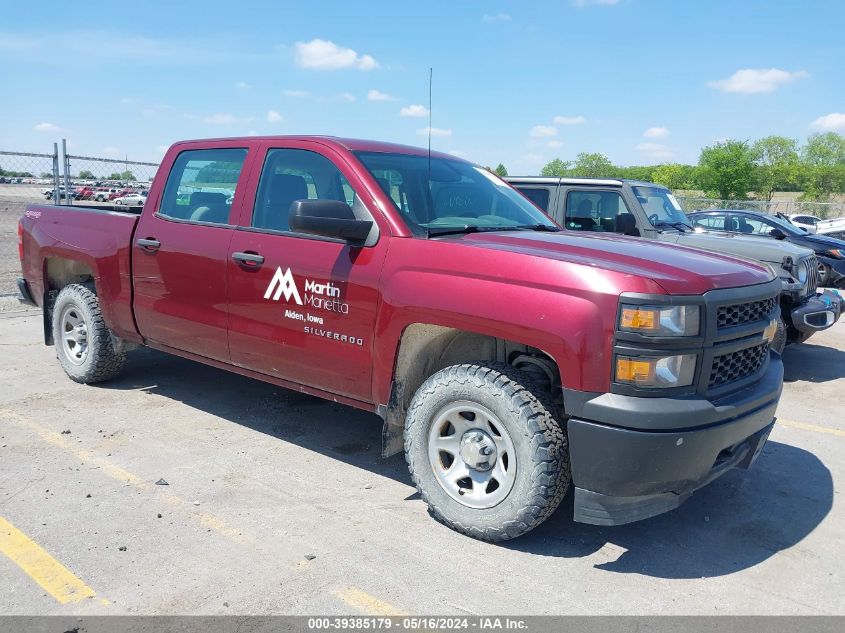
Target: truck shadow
813, 363
738, 521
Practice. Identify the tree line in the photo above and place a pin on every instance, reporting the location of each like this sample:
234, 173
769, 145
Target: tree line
733, 169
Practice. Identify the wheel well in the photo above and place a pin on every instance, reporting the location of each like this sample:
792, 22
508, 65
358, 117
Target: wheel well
58, 273
426, 349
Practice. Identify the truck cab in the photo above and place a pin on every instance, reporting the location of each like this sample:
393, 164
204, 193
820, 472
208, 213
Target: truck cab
651, 211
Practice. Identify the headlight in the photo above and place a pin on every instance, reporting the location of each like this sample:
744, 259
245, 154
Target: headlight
668, 371
802, 273
836, 253
660, 321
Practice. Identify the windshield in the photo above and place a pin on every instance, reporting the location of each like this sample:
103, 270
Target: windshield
661, 206
451, 194
787, 227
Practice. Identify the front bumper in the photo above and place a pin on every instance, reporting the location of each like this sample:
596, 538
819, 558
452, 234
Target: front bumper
817, 313
624, 474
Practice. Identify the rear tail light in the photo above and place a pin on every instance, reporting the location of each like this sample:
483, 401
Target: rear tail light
20, 241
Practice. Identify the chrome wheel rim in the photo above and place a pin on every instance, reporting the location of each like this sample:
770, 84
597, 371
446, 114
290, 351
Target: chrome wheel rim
74, 335
472, 455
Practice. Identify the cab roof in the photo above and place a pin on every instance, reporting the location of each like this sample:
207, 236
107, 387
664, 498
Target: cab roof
348, 144
565, 180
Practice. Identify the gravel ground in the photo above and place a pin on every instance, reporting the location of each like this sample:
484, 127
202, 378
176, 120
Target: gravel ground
278, 503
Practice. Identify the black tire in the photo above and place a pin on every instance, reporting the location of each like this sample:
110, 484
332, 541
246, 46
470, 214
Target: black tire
824, 275
542, 472
101, 361
779, 341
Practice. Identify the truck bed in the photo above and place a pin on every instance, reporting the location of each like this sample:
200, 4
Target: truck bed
73, 244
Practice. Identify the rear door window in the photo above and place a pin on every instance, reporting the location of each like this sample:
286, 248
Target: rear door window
201, 185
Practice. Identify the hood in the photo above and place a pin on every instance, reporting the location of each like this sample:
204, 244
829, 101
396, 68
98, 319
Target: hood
677, 269
760, 248
823, 241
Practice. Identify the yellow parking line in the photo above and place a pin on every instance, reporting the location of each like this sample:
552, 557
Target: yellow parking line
54, 578
363, 601
116, 472
811, 427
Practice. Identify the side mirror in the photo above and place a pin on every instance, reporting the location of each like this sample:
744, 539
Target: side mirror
778, 234
328, 218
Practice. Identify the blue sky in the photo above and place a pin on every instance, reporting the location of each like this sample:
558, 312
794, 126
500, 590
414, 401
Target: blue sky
642, 81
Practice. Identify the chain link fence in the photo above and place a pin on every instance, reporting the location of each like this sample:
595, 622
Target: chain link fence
823, 210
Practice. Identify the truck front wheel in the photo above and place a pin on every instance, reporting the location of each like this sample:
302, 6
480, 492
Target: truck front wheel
485, 450
84, 344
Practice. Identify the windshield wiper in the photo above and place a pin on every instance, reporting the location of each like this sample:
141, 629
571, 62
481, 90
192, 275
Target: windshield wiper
551, 228
437, 231
680, 226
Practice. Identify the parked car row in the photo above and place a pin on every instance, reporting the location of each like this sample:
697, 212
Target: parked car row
610, 349
651, 211
830, 252
119, 196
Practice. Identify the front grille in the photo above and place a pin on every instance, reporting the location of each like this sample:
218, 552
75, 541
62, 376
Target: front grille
741, 313
738, 365
811, 265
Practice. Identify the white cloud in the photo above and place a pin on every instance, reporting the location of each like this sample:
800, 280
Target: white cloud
655, 150
220, 118
498, 17
757, 80
377, 95
111, 152
242, 85
554, 144
542, 131
569, 120
274, 117
656, 132
587, 3
830, 122
161, 149
414, 111
296, 93
325, 55
458, 152
346, 96
47, 127
435, 131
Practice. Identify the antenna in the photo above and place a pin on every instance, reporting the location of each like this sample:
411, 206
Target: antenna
428, 188
430, 76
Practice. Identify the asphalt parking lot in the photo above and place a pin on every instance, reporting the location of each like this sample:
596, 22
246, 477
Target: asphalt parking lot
278, 503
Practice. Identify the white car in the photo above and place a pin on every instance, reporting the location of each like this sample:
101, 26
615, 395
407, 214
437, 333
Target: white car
834, 227
804, 221
132, 200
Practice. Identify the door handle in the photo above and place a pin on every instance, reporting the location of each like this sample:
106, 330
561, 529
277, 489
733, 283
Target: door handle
248, 259
149, 243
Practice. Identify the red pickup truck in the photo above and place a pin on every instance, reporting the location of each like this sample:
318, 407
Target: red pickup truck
509, 359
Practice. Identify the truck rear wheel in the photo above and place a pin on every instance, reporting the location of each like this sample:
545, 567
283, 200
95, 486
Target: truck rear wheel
84, 344
485, 450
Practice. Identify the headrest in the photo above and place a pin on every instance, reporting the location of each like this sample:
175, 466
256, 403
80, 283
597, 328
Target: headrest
207, 198
285, 188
